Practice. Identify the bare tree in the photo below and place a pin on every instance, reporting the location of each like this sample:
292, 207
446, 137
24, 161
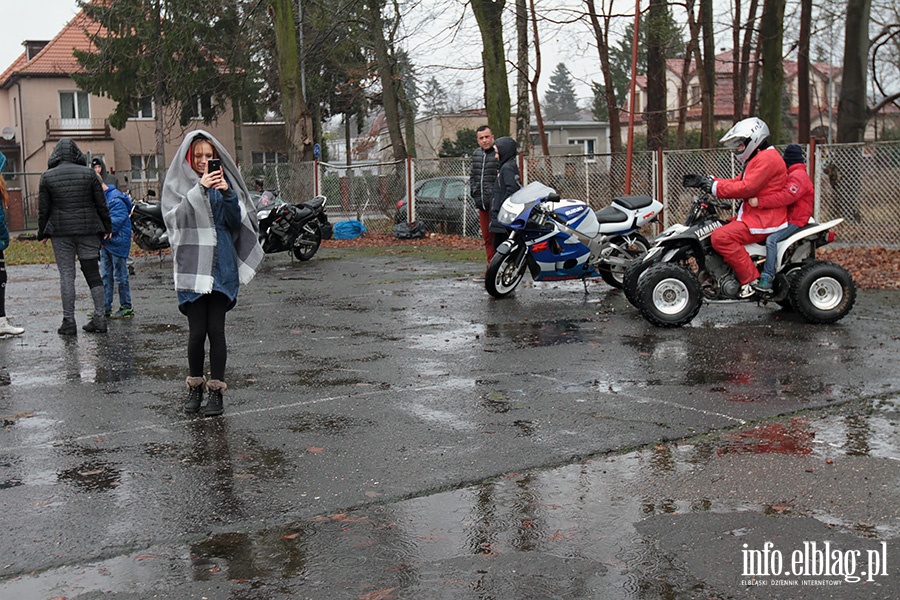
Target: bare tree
600, 24
523, 115
772, 82
708, 77
803, 121
388, 77
657, 119
488, 14
297, 117
852, 110
535, 98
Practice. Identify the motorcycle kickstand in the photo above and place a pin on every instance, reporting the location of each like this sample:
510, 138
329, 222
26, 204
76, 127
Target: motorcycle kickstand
584, 281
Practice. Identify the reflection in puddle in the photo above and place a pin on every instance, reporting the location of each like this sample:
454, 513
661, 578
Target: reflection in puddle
92, 476
567, 532
793, 437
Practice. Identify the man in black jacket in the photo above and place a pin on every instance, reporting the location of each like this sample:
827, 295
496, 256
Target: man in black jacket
72, 212
482, 175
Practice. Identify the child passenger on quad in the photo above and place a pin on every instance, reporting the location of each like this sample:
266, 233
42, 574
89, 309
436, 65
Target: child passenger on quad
799, 196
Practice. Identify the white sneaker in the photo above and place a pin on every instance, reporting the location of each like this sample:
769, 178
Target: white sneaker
7, 328
747, 290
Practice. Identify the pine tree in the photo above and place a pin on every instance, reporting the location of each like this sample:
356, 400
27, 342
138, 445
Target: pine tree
560, 103
434, 98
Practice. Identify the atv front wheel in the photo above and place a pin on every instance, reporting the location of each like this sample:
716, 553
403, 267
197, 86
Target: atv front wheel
822, 292
633, 272
669, 295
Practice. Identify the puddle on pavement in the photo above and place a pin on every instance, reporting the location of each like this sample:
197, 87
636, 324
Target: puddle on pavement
564, 532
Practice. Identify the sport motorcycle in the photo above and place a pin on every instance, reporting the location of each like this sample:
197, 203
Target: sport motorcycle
682, 270
298, 228
558, 239
148, 230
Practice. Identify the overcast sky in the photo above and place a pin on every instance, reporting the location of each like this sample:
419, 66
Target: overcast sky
43, 19
31, 20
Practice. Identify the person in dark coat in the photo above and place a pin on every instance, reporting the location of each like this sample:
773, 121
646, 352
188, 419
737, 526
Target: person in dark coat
482, 175
506, 184
72, 212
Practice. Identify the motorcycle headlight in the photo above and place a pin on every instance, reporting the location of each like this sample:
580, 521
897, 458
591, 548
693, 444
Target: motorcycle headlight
506, 216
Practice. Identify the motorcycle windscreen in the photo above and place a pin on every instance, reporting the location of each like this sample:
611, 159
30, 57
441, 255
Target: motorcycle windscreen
532, 192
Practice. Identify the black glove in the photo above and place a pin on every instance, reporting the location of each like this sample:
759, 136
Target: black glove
704, 182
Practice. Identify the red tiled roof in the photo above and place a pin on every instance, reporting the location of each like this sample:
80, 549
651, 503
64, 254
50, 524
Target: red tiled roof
56, 58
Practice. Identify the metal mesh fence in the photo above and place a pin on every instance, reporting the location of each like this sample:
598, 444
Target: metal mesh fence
856, 182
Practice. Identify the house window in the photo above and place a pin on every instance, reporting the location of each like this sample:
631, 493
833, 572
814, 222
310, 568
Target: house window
587, 144
201, 105
695, 94
143, 110
143, 167
74, 105
268, 158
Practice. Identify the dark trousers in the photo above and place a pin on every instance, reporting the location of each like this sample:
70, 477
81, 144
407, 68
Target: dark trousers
206, 320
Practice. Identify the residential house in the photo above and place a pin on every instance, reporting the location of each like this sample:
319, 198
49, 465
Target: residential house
41, 103
825, 81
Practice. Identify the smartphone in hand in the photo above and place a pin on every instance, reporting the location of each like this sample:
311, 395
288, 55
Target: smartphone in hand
213, 165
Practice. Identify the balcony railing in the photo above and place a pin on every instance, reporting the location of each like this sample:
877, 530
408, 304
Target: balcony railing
78, 128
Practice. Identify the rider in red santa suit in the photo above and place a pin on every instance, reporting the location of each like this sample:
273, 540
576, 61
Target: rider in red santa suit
764, 173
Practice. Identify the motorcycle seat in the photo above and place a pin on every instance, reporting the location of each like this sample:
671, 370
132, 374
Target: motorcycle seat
152, 210
301, 211
633, 202
316, 203
610, 215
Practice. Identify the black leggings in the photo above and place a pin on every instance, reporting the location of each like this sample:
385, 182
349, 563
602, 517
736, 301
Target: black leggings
206, 319
2, 284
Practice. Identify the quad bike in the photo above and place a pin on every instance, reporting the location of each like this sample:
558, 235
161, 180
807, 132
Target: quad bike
682, 270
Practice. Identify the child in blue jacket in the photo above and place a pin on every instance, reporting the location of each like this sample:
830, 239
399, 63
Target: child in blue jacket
114, 254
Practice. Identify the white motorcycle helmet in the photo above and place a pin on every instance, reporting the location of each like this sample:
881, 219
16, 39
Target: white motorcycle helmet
751, 132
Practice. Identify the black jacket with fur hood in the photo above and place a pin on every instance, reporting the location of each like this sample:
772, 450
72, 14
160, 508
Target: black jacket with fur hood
507, 182
71, 199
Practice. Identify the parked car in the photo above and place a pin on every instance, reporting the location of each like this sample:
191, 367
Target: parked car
442, 203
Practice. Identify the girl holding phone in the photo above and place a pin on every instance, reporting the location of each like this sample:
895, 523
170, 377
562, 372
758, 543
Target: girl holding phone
214, 237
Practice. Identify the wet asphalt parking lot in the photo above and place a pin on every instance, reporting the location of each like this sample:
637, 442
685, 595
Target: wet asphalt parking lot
393, 432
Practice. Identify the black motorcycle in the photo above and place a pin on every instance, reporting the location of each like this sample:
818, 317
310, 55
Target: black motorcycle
147, 226
299, 228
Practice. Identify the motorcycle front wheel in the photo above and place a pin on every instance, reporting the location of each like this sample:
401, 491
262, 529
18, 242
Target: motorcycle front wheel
505, 272
627, 247
307, 244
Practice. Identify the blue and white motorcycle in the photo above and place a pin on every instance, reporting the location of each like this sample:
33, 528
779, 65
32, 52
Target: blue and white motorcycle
565, 239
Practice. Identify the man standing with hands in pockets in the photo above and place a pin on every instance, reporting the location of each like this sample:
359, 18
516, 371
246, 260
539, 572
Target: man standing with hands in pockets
482, 175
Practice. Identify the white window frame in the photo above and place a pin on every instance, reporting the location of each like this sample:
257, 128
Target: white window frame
147, 170
140, 114
269, 157
588, 147
76, 108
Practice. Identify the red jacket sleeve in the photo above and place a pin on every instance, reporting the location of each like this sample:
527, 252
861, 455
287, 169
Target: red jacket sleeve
765, 170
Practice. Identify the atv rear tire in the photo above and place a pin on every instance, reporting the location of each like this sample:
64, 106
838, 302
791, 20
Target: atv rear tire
822, 292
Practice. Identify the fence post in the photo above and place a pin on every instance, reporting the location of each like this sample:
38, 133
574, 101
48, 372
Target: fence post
316, 177
410, 190
817, 175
